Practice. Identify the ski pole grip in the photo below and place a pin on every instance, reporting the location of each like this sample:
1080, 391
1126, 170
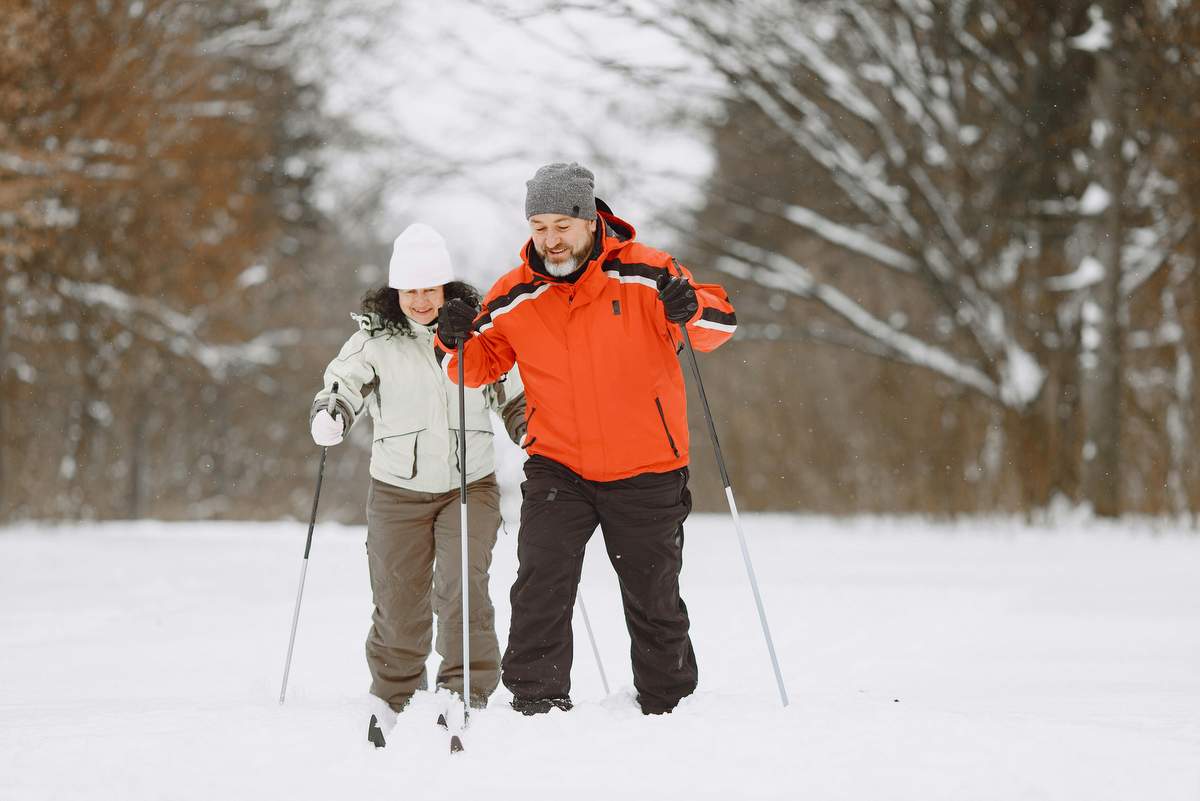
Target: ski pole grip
333, 399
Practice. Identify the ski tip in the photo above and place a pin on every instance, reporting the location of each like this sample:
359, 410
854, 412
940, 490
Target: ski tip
442, 722
456, 745
375, 734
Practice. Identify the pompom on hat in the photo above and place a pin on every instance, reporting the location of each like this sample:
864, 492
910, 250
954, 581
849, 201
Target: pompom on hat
419, 259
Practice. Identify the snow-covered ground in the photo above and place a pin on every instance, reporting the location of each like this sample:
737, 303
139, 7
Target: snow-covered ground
983, 660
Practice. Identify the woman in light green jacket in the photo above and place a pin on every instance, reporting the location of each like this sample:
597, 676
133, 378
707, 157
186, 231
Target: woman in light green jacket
388, 370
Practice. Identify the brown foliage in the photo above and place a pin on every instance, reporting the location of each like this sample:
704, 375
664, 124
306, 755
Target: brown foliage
144, 167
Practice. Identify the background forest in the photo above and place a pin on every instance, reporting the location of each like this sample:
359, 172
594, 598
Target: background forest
959, 235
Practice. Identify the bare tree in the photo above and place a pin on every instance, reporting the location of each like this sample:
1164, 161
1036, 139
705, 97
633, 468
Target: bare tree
982, 160
151, 169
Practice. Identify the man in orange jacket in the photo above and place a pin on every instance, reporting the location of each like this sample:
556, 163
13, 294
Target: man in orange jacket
591, 317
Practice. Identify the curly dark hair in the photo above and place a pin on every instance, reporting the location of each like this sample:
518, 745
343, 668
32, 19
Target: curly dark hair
384, 302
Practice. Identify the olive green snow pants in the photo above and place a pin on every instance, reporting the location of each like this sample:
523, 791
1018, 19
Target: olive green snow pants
414, 549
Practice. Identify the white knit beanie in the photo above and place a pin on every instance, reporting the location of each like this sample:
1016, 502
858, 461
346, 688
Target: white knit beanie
419, 259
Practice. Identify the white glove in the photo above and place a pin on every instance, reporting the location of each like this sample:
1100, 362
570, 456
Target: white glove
326, 429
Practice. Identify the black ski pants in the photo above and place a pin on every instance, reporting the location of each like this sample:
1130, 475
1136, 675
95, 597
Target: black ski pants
641, 519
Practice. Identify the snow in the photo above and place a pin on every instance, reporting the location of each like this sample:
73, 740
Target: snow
158, 322
1095, 200
254, 275
1089, 273
1023, 377
780, 272
978, 660
849, 238
1097, 37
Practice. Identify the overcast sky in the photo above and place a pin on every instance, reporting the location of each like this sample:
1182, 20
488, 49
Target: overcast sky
461, 84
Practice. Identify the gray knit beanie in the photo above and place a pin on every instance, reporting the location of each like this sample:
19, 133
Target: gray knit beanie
560, 188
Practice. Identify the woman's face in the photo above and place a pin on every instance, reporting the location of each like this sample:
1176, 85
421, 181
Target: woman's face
421, 305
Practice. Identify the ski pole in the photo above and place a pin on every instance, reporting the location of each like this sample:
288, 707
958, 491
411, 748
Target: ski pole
462, 472
587, 624
737, 523
312, 521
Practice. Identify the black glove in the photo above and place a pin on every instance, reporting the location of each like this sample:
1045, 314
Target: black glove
678, 297
454, 321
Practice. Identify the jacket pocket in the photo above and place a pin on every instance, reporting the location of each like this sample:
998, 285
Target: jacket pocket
397, 453
480, 456
667, 429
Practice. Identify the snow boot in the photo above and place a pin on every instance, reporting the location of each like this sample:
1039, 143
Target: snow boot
540, 706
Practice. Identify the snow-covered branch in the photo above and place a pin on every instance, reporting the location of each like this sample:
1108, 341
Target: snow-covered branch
1021, 378
177, 332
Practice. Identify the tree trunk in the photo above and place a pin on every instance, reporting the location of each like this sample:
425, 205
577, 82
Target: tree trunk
5, 368
1104, 422
137, 447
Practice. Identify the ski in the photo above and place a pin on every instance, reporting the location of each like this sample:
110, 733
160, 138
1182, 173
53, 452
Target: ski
456, 744
375, 734
376, 737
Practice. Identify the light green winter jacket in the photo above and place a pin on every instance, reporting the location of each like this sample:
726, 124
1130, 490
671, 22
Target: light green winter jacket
413, 407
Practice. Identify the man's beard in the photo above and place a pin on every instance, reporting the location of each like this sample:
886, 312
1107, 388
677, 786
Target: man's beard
571, 263
561, 268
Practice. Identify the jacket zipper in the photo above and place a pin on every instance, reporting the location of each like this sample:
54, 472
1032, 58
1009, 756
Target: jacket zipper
663, 417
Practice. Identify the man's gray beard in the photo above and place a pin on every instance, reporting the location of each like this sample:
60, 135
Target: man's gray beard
566, 267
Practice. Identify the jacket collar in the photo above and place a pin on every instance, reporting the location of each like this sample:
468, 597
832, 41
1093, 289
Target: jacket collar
423, 332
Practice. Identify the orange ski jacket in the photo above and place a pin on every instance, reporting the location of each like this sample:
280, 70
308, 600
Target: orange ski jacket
604, 390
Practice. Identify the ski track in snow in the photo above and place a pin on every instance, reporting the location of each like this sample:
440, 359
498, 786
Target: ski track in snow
977, 660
